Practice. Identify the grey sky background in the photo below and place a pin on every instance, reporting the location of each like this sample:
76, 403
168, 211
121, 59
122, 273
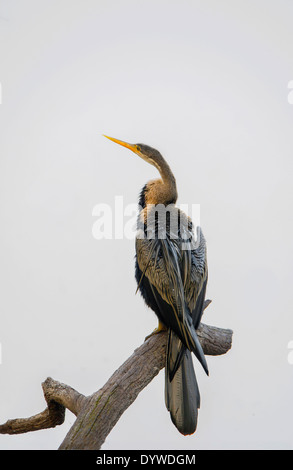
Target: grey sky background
206, 83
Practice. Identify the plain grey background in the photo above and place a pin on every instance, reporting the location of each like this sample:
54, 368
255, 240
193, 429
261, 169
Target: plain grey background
206, 83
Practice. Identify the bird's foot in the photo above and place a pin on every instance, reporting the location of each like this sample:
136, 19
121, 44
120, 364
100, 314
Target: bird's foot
160, 327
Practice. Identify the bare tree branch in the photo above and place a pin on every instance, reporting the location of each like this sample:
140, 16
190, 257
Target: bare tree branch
58, 397
98, 413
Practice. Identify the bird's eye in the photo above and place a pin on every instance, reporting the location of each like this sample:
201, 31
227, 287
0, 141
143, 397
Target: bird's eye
138, 148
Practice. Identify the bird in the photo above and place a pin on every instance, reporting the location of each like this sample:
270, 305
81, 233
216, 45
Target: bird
171, 274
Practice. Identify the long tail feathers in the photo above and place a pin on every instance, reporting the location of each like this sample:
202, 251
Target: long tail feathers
182, 395
199, 353
192, 343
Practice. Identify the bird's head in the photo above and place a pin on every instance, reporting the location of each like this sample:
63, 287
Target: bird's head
159, 191
149, 154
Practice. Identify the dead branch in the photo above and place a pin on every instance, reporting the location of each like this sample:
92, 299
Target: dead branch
98, 413
58, 397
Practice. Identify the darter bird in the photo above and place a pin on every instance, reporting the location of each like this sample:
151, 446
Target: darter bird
171, 273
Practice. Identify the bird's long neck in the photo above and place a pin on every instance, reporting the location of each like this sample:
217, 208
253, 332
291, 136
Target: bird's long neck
164, 190
168, 178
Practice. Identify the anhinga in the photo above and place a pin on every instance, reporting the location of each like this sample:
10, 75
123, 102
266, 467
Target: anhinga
171, 272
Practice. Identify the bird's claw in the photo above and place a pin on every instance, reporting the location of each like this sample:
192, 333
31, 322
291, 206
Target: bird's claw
156, 331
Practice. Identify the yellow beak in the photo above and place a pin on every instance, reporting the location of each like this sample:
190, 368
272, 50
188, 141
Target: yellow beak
125, 144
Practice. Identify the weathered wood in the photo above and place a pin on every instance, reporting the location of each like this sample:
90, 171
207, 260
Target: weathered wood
107, 405
58, 397
98, 413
